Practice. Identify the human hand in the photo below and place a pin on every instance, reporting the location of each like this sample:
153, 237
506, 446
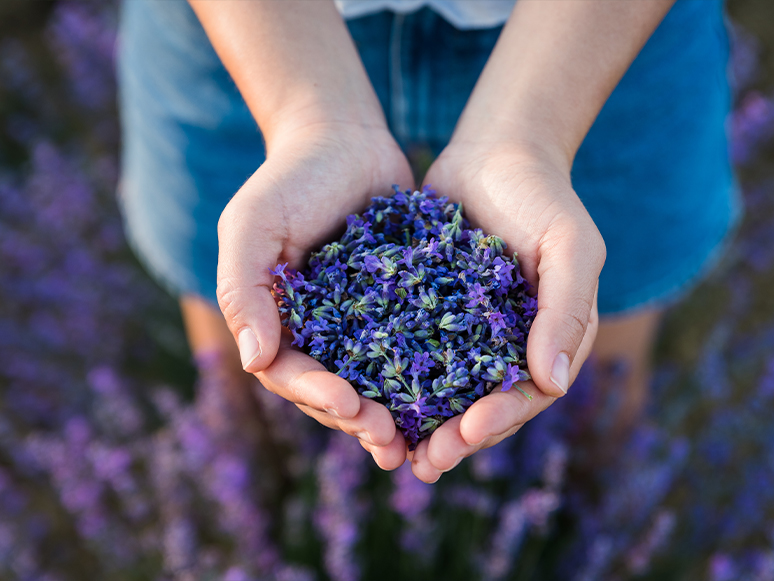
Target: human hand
295, 202
522, 194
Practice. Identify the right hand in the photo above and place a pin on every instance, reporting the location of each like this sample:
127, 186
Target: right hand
297, 201
524, 195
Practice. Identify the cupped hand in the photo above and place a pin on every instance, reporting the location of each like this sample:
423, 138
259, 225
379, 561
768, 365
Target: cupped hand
294, 203
522, 194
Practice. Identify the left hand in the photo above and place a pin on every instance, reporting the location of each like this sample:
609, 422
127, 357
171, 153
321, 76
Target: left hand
314, 175
522, 194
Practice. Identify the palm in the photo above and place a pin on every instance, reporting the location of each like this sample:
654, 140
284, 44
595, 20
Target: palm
298, 199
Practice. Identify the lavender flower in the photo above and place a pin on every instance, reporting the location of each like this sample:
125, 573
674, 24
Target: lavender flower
722, 568
339, 473
752, 126
411, 496
640, 555
509, 535
418, 311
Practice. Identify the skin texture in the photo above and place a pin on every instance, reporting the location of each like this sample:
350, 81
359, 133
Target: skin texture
329, 151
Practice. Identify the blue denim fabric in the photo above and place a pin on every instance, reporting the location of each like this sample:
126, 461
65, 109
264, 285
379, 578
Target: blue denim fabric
654, 170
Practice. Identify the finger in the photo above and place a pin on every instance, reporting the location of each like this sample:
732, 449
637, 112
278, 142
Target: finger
391, 456
500, 414
497, 414
446, 447
373, 423
421, 466
303, 380
568, 269
245, 256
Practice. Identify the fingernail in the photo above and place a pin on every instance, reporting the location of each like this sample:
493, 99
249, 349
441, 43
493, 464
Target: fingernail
456, 463
333, 412
249, 350
365, 436
560, 372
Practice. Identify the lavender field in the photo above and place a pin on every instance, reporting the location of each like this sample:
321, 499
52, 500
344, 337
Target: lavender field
118, 460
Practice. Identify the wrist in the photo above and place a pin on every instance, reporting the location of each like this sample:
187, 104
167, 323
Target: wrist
493, 137
312, 117
364, 159
314, 78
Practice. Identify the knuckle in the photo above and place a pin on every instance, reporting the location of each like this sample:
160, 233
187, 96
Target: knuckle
228, 295
577, 318
590, 241
597, 250
574, 320
227, 218
584, 237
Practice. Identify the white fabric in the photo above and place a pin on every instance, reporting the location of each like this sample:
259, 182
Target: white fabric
463, 14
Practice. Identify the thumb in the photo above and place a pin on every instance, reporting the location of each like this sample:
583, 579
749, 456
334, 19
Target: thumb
244, 287
568, 277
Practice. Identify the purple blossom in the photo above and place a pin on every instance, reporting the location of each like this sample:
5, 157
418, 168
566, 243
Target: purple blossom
640, 556
503, 272
752, 126
506, 540
84, 43
396, 304
340, 472
512, 375
280, 271
745, 57
477, 296
722, 568
411, 496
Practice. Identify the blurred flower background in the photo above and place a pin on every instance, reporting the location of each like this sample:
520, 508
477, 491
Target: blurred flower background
118, 461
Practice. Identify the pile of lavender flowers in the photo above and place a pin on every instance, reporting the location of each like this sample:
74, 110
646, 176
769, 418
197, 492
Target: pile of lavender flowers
416, 309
